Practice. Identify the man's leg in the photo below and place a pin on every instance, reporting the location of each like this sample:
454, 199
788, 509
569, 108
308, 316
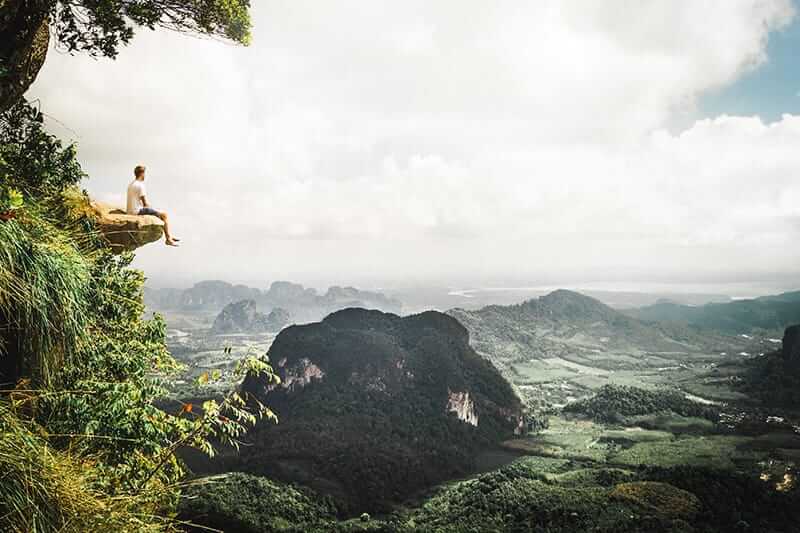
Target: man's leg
167, 236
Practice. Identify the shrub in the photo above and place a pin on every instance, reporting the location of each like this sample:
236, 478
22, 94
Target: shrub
660, 498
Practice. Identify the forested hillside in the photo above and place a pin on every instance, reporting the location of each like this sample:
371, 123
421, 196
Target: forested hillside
770, 313
374, 407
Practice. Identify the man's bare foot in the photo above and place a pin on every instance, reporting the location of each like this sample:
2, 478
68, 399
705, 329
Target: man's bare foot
171, 242
176, 239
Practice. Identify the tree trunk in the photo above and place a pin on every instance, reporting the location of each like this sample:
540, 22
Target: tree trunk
24, 39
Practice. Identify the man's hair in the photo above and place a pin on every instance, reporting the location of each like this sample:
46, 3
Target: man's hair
139, 170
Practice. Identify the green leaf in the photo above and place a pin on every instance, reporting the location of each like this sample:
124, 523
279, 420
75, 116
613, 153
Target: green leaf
15, 199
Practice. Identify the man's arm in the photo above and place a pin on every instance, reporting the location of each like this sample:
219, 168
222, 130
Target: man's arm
144, 201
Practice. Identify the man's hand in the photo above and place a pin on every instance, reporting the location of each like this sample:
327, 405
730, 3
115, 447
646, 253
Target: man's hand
144, 202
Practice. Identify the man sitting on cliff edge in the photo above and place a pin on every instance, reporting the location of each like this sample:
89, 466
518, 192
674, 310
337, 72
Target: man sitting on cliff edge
137, 204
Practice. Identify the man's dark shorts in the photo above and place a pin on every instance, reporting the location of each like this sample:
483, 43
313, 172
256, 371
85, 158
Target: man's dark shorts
149, 211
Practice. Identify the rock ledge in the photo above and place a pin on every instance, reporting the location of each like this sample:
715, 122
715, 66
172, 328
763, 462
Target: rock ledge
125, 232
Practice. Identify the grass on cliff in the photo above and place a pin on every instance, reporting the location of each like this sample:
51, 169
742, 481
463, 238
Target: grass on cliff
47, 490
44, 283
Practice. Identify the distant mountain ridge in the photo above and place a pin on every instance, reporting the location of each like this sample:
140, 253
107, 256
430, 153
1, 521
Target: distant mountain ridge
304, 304
374, 407
741, 316
563, 322
243, 317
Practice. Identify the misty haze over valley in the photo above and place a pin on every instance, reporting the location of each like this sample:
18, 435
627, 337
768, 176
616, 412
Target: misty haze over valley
400, 267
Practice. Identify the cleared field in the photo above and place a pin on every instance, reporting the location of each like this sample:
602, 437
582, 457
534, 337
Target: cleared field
714, 451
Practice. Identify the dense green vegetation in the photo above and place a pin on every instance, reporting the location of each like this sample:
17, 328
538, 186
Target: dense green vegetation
545, 326
81, 436
74, 351
615, 403
371, 425
244, 503
100, 27
531, 494
775, 377
773, 381
769, 313
366, 399
566, 335
82, 444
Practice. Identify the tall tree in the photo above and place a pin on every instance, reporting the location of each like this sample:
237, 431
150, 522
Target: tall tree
99, 28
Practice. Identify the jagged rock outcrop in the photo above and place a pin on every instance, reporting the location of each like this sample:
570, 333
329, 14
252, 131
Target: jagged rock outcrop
299, 375
464, 408
125, 232
243, 317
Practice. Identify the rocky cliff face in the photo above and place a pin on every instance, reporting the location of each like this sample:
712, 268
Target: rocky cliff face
243, 317
374, 407
464, 408
124, 232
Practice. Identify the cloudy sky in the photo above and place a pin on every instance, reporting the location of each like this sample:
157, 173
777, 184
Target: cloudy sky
468, 142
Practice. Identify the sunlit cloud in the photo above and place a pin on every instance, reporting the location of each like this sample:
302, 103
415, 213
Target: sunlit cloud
445, 139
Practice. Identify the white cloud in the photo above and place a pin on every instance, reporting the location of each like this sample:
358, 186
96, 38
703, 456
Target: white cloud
467, 138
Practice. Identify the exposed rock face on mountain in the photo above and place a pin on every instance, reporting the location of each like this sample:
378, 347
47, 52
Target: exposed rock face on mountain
304, 304
243, 317
126, 232
741, 316
373, 407
464, 408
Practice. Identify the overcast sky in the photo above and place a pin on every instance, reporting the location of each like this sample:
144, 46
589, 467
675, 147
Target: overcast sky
463, 141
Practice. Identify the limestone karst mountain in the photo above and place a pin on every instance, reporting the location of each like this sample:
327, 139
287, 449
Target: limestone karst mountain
373, 407
244, 317
304, 304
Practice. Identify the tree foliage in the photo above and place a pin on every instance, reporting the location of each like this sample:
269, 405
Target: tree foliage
612, 403
33, 161
79, 365
99, 27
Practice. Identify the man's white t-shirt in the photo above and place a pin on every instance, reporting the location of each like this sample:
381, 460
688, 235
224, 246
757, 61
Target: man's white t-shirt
135, 193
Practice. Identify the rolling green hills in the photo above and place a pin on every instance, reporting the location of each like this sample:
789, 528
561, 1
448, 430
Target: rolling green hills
771, 313
565, 345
